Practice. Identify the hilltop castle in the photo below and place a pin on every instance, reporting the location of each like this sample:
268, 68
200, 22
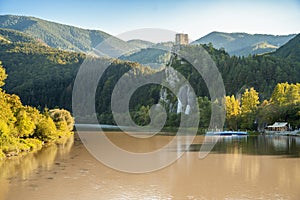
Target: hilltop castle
181, 39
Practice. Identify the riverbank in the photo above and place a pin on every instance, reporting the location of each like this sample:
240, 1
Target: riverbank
31, 145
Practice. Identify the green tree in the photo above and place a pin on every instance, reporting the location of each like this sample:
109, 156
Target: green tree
205, 111
142, 117
62, 119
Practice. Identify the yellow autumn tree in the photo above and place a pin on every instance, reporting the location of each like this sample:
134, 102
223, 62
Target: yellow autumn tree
279, 94
250, 102
24, 128
233, 111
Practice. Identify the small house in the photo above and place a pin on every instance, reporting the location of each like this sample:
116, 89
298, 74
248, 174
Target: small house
278, 127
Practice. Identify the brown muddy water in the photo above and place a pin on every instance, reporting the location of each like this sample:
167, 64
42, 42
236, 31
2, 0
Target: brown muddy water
253, 167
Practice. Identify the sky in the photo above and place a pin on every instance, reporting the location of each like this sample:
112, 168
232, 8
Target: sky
194, 17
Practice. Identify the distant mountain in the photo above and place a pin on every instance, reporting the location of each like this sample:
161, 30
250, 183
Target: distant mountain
56, 35
255, 49
290, 50
243, 44
150, 56
140, 43
155, 55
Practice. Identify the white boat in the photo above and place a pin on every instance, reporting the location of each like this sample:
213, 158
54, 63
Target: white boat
229, 133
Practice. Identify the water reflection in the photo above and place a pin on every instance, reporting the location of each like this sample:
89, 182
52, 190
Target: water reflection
228, 175
22, 167
255, 145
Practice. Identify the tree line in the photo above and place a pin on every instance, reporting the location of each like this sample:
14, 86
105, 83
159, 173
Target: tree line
244, 112
44, 77
249, 113
24, 128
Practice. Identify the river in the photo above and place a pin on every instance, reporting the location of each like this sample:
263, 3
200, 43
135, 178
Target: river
253, 167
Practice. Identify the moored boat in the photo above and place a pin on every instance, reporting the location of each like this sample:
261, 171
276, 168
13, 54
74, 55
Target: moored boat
226, 133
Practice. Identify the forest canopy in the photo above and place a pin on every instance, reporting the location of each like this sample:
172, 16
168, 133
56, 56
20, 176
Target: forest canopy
24, 128
43, 77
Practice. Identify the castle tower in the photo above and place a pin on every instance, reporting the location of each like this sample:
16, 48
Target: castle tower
181, 39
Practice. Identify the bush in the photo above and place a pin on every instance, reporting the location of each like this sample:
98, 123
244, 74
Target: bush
7, 142
46, 130
24, 124
2, 155
30, 144
4, 130
62, 119
34, 144
22, 146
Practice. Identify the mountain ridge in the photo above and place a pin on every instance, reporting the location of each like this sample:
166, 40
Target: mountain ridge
240, 43
57, 35
290, 50
43, 76
72, 38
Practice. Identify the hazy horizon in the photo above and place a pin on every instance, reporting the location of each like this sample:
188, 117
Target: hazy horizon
196, 18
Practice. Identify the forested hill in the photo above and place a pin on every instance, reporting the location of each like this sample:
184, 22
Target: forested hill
8, 36
261, 72
140, 43
290, 50
55, 35
72, 38
37, 73
243, 44
44, 76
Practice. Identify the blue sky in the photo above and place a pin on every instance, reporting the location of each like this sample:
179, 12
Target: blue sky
194, 17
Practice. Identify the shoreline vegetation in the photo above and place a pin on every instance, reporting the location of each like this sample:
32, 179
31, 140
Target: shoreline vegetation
245, 112
261, 89
25, 129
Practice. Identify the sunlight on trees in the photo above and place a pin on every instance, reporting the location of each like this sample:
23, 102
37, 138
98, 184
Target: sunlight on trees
250, 100
24, 128
284, 105
233, 110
